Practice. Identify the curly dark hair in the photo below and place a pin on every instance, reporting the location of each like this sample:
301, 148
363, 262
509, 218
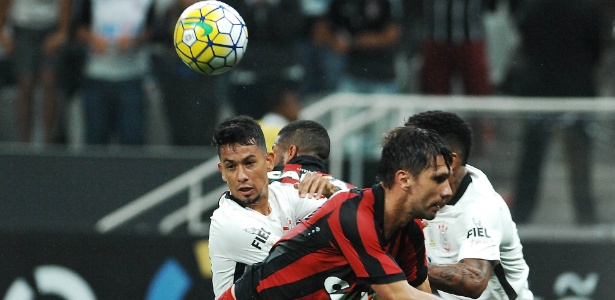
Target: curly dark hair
453, 129
239, 130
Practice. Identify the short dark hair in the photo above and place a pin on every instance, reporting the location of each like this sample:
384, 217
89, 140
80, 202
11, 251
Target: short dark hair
310, 137
452, 128
411, 149
242, 130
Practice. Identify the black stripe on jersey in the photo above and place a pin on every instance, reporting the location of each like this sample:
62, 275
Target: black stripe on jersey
239, 269
418, 245
499, 273
350, 225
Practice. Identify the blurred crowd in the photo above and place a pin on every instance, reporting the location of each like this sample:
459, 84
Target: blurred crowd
105, 51
110, 54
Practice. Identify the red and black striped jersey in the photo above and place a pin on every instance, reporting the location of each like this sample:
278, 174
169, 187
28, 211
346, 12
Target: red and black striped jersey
339, 250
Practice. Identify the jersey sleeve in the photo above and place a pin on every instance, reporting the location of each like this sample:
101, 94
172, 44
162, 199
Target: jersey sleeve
243, 240
479, 234
302, 207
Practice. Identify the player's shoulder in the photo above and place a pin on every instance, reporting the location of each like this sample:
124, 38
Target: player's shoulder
228, 209
282, 188
350, 193
480, 191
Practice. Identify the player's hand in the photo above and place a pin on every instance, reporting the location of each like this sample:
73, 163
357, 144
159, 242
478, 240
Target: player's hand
315, 185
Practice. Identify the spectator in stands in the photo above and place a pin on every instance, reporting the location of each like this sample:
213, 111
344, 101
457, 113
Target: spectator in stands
367, 33
189, 97
116, 32
323, 66
454, 44
274, 32
562, 42
40, 29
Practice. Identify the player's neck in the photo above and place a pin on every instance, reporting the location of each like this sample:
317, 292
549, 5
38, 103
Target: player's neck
262, 206
394, 217
458, 174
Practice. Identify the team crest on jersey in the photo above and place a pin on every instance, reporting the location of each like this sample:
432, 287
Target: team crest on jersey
446, 245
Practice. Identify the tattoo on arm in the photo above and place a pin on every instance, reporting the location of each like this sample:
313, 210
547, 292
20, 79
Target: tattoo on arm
468, 277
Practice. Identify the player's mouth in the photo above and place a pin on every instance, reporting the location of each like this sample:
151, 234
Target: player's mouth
246, 191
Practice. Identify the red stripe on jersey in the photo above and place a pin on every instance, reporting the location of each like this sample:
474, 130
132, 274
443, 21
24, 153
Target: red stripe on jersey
369, 237
304, 267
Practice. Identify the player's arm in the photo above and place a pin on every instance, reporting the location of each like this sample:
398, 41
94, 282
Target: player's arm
315, 185
399, 290
425, 286
468, 277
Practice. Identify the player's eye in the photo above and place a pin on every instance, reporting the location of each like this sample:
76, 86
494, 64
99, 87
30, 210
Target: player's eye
441, 178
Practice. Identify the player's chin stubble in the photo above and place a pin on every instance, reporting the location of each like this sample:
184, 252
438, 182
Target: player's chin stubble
248, 202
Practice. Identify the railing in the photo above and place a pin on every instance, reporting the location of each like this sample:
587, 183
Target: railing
344, 115
190, 213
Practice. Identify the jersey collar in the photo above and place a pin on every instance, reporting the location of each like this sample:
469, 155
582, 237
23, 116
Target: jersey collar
228, 195
463, 186
307, 162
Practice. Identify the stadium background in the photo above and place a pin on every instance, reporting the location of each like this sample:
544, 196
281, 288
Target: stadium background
68, 230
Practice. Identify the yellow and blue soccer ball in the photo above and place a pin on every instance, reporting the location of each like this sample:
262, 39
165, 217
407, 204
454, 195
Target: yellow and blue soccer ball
210, 37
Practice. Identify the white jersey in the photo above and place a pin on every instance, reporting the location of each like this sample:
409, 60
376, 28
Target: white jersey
478, 225
242, 236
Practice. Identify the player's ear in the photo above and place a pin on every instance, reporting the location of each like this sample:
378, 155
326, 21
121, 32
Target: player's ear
221, 173
292, 152
270, 161
404, 179
456, 160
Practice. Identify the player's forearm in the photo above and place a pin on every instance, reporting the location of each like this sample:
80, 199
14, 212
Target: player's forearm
459, 279
400, 290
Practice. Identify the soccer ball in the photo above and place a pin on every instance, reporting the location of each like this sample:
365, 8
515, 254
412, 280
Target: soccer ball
210, 37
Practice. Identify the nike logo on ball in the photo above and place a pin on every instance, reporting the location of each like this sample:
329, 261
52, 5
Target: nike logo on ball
206, 27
